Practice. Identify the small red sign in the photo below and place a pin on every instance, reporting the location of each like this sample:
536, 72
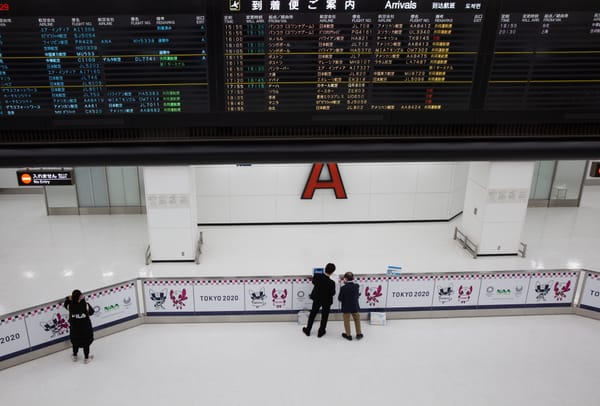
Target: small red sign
4, 7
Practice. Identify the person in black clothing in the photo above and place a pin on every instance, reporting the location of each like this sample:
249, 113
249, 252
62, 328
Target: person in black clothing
349, 297
81, 331
322, 297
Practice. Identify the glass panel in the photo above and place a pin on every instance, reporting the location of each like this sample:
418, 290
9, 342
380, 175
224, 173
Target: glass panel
99, 187
61, 196
123, 186
141, 186
568, 179
116, 188
542, 181
83, 178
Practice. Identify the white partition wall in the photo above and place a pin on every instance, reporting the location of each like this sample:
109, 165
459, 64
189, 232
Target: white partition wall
230, 194
171, 212
496, 204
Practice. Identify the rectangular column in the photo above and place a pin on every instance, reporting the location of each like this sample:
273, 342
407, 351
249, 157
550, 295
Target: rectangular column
171, 212
496, 204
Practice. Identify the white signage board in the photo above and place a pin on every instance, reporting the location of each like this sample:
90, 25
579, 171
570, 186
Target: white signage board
410, 291
547, 288
113, 304
504, 289
268, 294
373, 292
219, 295
456, 290
590, 295
168, 296
301, 288
13, 335
47, 324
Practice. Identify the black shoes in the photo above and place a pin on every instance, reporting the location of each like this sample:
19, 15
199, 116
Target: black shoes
306, 331
359, 336
347, 337
320, 334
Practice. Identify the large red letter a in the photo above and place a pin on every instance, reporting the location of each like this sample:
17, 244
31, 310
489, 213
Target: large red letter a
334, 182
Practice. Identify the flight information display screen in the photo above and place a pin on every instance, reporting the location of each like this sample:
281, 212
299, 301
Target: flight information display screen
222, 63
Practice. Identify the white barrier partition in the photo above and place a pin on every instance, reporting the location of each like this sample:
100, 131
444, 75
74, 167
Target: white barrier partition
552, 288
47, 325
113, 305
268, 295
13, 336
504, 289
590, 294
169, 296
219, 296
410, 292
373, 292
301, 288
456, 291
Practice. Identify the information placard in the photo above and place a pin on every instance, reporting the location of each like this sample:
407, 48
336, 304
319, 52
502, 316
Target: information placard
373, 292
301, 288
47, 324
219, 295
410, 292
552, 288
13, 335
168, 296
504, 289
268, 294
590, 295
456, 290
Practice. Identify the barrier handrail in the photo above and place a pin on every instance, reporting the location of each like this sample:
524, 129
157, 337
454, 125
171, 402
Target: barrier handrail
148, 255
199, 247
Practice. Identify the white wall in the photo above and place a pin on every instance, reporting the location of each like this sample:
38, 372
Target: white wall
8, 178
376, 192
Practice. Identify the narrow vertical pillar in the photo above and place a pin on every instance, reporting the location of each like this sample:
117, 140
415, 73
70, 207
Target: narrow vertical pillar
496, 204
171, 212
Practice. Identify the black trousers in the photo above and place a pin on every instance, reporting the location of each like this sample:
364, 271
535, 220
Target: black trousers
86, 350
325, 308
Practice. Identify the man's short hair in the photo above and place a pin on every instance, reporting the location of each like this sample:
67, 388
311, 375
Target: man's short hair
329, 268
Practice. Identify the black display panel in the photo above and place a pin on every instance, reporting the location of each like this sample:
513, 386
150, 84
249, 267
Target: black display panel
206, 64
546, 56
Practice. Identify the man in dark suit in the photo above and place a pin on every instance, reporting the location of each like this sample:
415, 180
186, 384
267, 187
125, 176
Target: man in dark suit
322, 297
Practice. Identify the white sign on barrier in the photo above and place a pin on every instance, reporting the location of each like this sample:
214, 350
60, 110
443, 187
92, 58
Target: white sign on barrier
301, 288
13, 335
46, 324
168, 295
552, 287
456, 290
373, 291
268, 294
503, 289
219, 295
590, 295
113, 304
410, 291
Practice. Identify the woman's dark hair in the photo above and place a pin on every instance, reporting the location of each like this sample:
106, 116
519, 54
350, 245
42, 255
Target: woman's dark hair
76, 295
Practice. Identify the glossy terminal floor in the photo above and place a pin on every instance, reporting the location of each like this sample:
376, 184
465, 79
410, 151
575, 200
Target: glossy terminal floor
42, 258
534, 360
